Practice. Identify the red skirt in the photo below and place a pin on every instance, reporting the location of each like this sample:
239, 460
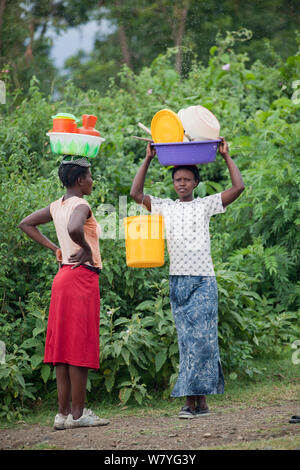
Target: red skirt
74, 316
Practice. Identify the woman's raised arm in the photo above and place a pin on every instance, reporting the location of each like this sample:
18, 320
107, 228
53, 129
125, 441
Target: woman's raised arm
137, 188
238, 186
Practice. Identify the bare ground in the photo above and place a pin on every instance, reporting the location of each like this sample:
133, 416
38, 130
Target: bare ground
253, 427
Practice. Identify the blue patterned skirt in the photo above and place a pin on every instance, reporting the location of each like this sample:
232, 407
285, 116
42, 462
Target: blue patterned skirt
194, 303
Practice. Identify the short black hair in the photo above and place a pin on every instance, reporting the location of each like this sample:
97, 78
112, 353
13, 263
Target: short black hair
192, 168
68, 174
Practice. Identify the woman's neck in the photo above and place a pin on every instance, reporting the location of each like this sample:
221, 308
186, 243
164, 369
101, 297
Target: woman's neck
187, 199
71, 192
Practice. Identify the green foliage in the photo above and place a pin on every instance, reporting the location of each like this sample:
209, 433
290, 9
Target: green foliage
134, 32
255, 245
140, 30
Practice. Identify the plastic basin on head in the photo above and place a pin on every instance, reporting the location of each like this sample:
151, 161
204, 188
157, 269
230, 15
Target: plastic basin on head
144, 241
74, 144
187, 153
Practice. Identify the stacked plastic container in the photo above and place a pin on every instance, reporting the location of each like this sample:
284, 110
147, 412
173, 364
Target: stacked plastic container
190, 137
67, 139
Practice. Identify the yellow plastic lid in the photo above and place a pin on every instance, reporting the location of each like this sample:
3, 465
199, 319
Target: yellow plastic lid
166, 127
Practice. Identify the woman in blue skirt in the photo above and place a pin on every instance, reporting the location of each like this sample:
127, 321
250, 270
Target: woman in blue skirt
193, 287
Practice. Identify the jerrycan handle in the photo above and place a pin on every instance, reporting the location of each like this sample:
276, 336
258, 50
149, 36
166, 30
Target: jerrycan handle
141, 204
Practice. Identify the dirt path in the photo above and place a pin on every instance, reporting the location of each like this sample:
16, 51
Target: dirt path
223, 427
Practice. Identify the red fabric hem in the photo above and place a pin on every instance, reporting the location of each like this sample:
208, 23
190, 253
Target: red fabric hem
71, 363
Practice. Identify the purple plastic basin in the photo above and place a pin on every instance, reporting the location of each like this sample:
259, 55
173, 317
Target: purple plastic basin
187, 153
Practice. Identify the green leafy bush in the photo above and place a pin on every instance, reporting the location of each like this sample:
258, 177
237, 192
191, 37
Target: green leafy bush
255, 245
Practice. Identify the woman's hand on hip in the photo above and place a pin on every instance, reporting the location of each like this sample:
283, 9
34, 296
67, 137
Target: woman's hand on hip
58, 255
83, 255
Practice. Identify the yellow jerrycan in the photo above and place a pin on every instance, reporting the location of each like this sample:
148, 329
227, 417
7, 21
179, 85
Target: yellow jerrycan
144, 241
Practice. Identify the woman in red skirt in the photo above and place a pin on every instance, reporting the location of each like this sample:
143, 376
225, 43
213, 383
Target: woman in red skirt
72, 342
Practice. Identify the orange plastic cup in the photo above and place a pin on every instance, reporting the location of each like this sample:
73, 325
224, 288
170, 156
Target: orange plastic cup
64, 125
88, 125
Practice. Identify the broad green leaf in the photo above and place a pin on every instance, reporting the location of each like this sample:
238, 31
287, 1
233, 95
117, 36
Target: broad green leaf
160, 359
45, 372
125, 394
36, 360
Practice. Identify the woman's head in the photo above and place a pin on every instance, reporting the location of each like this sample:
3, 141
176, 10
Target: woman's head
191, 168
185, 179
76, 172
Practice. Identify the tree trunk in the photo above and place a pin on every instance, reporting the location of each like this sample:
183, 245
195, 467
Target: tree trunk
124, 46
2, 8
28, 53
122, 37
178, 28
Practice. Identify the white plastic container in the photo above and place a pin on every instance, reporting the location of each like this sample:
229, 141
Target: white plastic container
199, 123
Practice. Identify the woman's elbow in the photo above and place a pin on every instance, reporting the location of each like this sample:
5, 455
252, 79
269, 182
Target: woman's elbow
237, 190
242, 188
135, 196
21, 225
